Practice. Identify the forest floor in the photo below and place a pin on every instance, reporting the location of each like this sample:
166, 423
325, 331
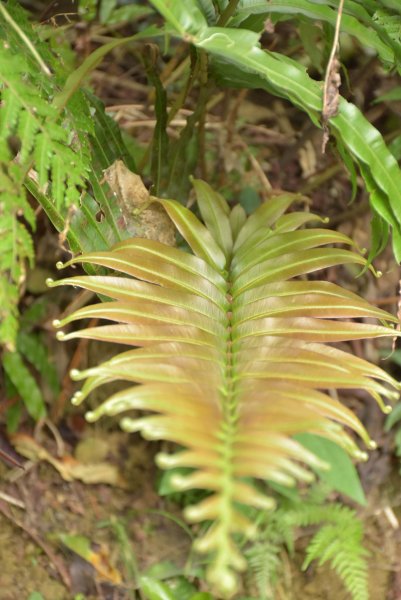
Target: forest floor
83, 517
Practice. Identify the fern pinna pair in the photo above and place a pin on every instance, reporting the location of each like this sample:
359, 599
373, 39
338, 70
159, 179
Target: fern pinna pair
231, 355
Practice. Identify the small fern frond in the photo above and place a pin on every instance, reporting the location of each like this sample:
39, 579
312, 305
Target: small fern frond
263, 566
232, 355
341, 544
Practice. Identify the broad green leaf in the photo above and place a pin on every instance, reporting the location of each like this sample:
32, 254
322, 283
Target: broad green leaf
316, 12
342, 475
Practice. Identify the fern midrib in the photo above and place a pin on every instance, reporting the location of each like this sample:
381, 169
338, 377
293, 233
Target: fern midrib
228, 430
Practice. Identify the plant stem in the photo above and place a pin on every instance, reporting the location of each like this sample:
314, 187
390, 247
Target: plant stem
227, 13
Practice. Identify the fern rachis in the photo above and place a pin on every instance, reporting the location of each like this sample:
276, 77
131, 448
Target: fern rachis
231, 356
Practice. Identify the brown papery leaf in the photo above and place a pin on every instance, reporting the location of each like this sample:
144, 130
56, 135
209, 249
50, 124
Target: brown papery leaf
143, 217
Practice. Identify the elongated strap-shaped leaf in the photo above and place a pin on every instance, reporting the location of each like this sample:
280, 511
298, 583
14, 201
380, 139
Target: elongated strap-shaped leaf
127, 290
148, 312
196, 234
171, 255
265, 216
298, 288
313, 305
143, 335
275, 245
214, 210
311, 330
293, 264
155, 270
294, 220
229, 353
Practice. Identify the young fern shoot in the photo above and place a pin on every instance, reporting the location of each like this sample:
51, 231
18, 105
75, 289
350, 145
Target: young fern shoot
231, 350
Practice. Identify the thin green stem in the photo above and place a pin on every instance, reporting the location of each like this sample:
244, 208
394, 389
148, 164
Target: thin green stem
25, 39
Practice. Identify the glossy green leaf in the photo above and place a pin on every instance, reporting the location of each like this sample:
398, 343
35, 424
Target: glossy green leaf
316, 12
244, 63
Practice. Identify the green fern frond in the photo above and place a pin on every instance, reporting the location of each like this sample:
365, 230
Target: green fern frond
339, 541
50, 149
232, 352
264, 565
390, 23
341, 544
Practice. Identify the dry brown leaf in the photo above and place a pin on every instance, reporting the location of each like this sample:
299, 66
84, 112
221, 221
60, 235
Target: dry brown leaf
331, 98
143, 217
69, 468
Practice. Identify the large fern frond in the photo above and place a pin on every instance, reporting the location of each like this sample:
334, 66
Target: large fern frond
233, 355
50, 150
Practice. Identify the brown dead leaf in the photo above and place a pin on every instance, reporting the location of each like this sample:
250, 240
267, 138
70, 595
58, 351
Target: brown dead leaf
331, 97
143, 217
68, 467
